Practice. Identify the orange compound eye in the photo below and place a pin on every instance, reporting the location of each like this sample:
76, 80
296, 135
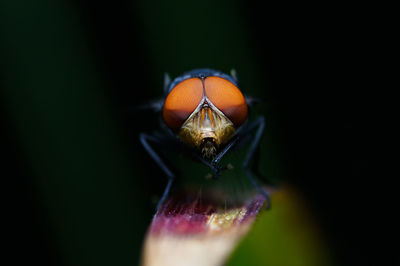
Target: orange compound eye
181, 102
227, 98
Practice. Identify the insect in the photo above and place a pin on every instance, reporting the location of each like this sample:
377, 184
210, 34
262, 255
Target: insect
204, 113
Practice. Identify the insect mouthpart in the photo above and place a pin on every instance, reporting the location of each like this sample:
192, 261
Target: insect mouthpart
208, 148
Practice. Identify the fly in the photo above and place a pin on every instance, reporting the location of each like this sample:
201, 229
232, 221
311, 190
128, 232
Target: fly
205, 112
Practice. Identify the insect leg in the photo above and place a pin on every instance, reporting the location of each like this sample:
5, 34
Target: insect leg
214, 163
167, 81
224, 151
259, 126
145, 139
259, 122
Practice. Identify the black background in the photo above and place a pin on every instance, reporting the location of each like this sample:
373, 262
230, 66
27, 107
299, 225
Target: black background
320, 96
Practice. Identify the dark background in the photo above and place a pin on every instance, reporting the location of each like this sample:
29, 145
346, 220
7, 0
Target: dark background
310, 61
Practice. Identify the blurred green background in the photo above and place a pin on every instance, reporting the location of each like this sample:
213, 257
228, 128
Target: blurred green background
83, 188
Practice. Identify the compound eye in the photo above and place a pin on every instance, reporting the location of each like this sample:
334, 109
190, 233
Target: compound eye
227, 98
181, 102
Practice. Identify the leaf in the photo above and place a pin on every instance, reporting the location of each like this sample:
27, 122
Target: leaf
285, 235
